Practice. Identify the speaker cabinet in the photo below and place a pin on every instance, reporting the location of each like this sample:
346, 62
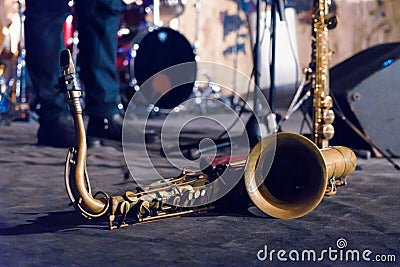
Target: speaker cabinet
367, 89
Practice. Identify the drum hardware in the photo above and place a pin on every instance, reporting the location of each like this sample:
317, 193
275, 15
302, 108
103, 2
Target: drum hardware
20, 85
13, 95
133, 15
204, 91
163, 11
11, 108
156, 13
3, 91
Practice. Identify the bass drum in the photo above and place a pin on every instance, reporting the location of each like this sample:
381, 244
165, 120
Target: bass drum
154, 50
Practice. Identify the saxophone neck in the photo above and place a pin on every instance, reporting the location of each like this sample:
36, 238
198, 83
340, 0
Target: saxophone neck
77, 182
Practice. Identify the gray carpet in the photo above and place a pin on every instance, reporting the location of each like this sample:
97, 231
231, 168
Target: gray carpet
39, 228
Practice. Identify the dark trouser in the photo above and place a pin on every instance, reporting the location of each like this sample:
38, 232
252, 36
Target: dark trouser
97, 25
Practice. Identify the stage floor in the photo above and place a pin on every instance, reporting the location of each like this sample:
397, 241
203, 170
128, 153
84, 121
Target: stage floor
39, 228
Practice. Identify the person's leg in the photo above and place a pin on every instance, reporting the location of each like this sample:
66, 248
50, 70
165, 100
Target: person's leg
98, 25
44, 42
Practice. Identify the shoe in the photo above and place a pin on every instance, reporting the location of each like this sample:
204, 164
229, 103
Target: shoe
100, 128
57, 131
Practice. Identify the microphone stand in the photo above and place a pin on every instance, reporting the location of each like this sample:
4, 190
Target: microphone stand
256, 60
276, 6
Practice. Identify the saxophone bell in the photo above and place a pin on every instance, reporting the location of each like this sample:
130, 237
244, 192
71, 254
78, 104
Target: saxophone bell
297, 180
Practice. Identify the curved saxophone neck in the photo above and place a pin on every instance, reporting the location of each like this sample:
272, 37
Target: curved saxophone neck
77, 182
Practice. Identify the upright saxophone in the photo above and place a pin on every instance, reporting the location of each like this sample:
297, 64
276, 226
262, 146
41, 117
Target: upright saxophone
290, 187
323, 115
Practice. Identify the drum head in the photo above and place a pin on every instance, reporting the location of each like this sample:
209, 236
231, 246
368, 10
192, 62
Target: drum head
157, 50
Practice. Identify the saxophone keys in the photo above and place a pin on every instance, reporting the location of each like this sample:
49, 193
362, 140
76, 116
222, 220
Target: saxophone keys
124, 207
327, 102
328, 131
328, 116
130, 196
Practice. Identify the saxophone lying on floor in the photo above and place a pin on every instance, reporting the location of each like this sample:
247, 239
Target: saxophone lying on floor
285, 174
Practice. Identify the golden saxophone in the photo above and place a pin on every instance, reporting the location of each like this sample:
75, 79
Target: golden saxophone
291, 187
323, 115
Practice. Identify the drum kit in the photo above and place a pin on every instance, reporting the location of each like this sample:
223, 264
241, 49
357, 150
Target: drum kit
147, 46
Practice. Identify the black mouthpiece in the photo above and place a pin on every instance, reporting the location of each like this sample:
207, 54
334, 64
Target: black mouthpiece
66, 62
64, 58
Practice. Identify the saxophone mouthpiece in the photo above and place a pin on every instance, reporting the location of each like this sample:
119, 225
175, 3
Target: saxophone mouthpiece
66, 63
